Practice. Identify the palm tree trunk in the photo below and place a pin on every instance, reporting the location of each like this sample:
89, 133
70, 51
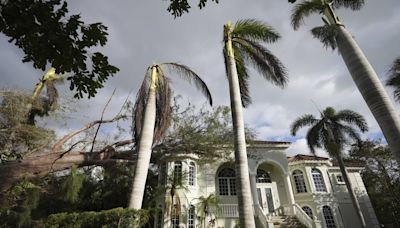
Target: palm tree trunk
246, 214
351, 190
371, 89
144, 148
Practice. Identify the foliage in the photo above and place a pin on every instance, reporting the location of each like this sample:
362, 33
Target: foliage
204, 132
394, 78
327, 35
22, 198
117, 217
206, 205
332, 130
247, 36
179, 7
72, 185
49, 35
381, 177
17, 137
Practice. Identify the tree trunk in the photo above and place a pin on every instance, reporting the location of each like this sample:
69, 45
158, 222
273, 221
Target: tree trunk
371, 89
145, 146
41, 165
351, 191
246, 214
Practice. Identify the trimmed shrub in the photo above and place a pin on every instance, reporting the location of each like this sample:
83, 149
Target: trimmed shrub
117, 217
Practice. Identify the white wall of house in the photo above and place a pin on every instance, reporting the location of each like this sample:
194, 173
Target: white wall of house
272, 159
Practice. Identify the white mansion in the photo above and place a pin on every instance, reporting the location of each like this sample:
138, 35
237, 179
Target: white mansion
305, 190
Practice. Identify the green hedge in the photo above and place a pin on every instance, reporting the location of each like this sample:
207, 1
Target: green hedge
117, 217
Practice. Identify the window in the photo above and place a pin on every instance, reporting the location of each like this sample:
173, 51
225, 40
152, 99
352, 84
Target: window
191, 217
263, 176
339, 179
328, 216
299, 181
308, 211
227, 182
178, 169
318, 180
175, 217
192, 174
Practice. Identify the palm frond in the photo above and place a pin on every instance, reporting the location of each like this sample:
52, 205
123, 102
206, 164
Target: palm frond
264, 61
303, 121
255, 30
394, 78
304, 9
352, 118
140, 104
163, 106
351, 133
243, 75
327, 35
187, 74
352, 4
314, 137
52, 93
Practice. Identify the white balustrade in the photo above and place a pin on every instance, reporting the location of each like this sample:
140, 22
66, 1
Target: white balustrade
227, 210
302, 216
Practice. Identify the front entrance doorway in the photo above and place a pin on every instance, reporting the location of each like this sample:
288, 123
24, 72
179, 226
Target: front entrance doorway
268, 198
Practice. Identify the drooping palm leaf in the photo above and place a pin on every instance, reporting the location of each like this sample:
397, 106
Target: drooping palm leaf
190, 76
304, 9
140, 104
264, 61
327, 35
302, 121
351, 117
163, 106
394, 78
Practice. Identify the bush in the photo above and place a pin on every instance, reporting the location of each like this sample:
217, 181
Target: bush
117, 217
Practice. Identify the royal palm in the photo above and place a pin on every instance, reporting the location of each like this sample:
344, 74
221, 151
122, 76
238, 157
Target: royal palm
242, 45
152, 114
334, 34
331, 132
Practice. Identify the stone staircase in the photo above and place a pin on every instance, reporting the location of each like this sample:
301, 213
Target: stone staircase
286, 222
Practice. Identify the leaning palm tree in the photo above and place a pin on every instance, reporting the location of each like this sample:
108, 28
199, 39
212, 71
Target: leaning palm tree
40, 106
394, 78
152, 114
242, 45
331, 132
334, 34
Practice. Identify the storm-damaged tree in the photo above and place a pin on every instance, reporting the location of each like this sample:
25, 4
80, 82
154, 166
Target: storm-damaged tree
394, 78
334, 35
49, 35
331, 132
152, 115
242, 45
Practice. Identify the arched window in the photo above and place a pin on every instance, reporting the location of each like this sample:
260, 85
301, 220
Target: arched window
191, 217
328, 216
318, 180
308, 211
263, 176
178, 169
227, 182
192, 174
299, 181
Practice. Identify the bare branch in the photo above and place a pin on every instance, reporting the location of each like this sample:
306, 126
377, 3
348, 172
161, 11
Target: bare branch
101, 119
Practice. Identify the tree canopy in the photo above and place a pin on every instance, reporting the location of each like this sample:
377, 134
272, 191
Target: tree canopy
50, 37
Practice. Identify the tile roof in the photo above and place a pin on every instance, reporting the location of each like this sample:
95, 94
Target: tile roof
304, 157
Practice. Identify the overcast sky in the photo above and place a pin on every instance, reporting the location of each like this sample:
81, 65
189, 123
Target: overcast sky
143, 32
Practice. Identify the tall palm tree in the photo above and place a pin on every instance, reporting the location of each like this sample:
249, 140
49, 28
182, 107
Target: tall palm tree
152, 114
175, 186
242, 45
39, 106
334, 34
331, 132
394, 78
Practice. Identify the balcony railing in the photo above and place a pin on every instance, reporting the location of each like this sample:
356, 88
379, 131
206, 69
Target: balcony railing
227, 210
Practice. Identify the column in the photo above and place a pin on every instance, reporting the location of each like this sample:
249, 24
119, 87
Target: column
289, 191
253, 186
